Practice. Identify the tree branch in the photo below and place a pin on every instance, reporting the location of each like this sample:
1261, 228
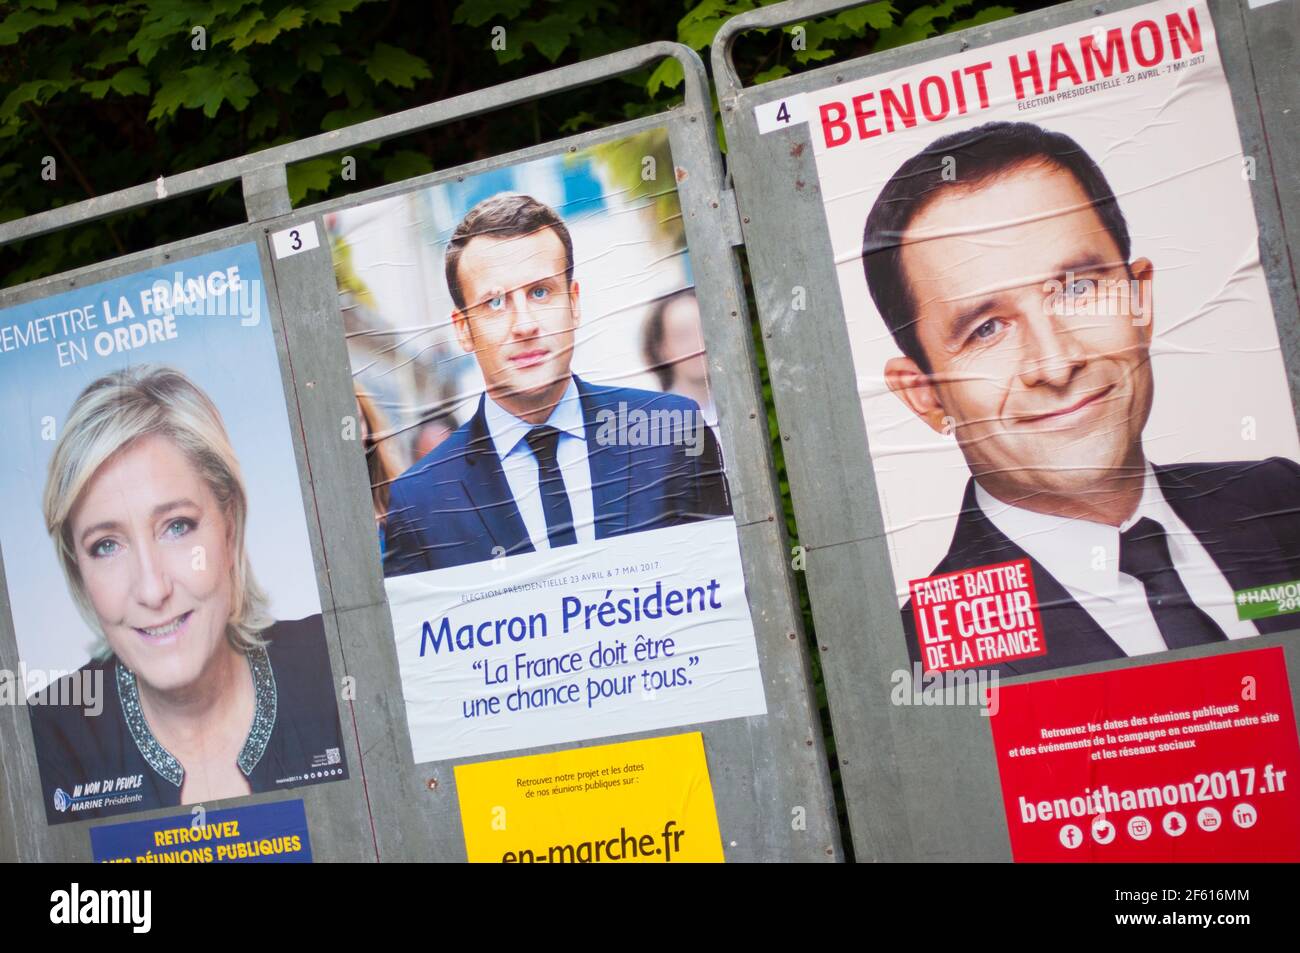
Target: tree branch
76, 169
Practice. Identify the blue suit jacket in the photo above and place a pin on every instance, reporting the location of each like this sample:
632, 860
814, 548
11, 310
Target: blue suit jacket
1245, 514
455, 507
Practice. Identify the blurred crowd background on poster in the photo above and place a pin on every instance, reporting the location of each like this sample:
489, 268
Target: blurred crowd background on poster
640, 317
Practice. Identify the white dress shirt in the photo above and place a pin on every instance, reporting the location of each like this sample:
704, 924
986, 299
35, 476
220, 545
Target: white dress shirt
1083, 556
509, 435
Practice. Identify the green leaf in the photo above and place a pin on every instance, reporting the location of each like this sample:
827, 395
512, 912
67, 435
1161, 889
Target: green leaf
582, 120
590, 11
776, 72
610, 38
186, 92
109, 56
264, 118
129, 81
939, 11
878, 16
343, 76
104, 24
228, 8
162, 29
313, 49
388, 64
236, 33
237, 88
36, 91
478, 12
511, 52
949, 7
667, 75
290, 18
207, 87
338, 118
913, 29
815, 37
405, 165
220, 190
16, 24
987, 15
331, 11
311, 176
551, 35
702, 21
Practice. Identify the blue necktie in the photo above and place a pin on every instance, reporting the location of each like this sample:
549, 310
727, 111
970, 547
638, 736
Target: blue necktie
555, 500
1144, 555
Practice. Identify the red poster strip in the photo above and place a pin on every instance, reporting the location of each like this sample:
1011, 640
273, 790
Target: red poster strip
1185, 761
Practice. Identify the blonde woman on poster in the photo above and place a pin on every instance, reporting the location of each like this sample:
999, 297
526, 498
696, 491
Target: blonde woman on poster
205, 696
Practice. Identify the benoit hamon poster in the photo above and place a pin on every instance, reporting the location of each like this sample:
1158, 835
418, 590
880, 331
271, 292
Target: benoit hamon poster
1066, 355
550, 497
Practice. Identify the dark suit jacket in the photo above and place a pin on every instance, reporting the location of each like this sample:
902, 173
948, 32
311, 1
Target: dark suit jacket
1246, 515
454, 507
74, 748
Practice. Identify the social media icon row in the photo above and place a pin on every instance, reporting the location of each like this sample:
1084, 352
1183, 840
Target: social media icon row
1174, 824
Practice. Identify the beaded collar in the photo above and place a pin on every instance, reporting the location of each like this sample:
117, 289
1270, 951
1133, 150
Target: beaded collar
162, 760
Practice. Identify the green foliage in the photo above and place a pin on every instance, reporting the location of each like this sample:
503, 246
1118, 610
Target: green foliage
865, 29
388, 64
625, 163
925, 22
489, 11
121, 93
406, 164
311, 176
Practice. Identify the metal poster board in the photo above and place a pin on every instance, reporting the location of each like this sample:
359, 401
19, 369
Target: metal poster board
692, 617
160, 545
1033, 282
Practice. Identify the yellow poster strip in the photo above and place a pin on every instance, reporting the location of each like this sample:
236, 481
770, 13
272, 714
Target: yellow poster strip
636, 802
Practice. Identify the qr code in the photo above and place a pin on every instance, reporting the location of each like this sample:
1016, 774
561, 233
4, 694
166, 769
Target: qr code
332, 756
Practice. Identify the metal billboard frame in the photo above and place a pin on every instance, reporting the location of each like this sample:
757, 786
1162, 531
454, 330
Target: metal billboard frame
769, 773
921, 783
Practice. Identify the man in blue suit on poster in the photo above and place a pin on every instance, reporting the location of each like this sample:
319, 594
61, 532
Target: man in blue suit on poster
548, 459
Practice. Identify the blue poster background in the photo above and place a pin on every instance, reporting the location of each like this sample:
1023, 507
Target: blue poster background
261, 827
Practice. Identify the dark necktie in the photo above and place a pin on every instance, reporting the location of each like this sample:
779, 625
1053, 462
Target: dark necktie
1144, 555
555, 500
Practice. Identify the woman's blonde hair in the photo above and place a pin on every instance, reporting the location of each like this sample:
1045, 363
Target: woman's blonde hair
111, 414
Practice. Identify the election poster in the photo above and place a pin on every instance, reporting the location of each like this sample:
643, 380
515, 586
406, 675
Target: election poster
550, 498
1065, 351
159, 570
643, 802
1183, 761
274, 833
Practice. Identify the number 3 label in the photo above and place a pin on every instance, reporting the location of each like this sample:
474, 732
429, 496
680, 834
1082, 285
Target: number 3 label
291, 241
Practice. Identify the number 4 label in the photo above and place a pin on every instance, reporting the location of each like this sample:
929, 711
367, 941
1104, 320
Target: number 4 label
780, 114
293, 240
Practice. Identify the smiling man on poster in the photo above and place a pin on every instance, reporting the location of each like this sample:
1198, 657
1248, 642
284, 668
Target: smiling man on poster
546, 460
1025, 320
